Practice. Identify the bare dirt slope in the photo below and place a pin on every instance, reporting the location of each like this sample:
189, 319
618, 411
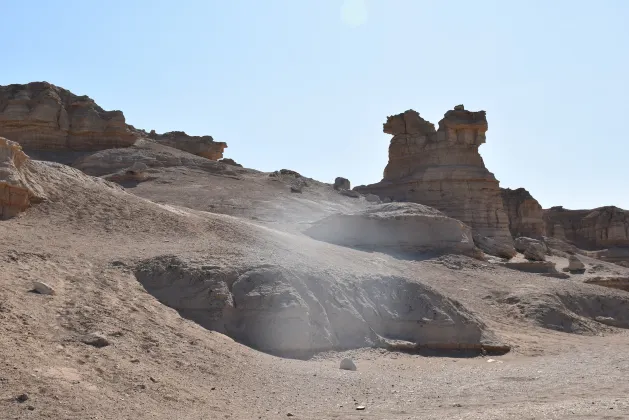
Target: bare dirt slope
86, 239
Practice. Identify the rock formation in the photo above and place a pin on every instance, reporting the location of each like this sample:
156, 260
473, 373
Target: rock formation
43, 116
204, 146
603, 227
526, 217
397, 228
17, 190
443, 169
341, 183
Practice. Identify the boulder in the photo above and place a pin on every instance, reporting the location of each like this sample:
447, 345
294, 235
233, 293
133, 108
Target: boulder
18, 190
535, 252
522, 243
341, 183
575, 265
442, 168
43, 288
347, 364
493, 246
372, 198
397, 228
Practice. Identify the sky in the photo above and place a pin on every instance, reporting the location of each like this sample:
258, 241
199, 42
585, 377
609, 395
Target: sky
307, 84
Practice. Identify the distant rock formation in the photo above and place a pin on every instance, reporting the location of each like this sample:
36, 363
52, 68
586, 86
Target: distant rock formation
526, 217
44, 117
17, 190
397, 228
443, 169
204, 146
39, 115
603, 227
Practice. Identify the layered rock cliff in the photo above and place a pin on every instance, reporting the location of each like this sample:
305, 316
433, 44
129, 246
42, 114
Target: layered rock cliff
443, 169
603, 227
43, 116
204, 146
526, 217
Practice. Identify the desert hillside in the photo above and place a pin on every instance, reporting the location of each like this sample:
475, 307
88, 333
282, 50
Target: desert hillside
143, 277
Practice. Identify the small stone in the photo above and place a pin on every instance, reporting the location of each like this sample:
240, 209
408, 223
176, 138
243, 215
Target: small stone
42, 288
96, 340
155, 380
290, 415
22, 397
457, 405
296, 189
347, 364
360, 407
31, 408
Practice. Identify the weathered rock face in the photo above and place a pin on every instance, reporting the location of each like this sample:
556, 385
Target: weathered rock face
397, 228
604, 227
292, 312
43, 116
443, 169
526, 217
341, 183
17, 189
204, 146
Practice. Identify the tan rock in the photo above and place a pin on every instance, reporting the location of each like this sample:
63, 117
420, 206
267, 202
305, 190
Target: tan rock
443, 169
42, 116
526, 217
599, 228
204, 146
17, 189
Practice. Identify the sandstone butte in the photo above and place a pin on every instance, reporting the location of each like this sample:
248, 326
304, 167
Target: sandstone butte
443, 169
42, 116
526, 217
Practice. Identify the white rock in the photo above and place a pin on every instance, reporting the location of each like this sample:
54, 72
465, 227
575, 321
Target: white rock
43, 289
347, 364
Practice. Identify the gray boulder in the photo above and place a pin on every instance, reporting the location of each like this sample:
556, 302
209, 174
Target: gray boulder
347, 364
535, 252
372, 198
341, 183
397, 228
575, 265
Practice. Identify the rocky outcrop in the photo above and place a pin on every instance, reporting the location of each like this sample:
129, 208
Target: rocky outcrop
397, 228
443, 169
603, 227
204, 146
17, 188
44, 117
526, 217
40, 115
296, 312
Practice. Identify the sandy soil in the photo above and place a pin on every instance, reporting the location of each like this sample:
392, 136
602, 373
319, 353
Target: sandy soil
83, 241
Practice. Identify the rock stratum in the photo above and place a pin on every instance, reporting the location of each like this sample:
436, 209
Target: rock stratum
526, 217
44, 117
442, 168
40, 115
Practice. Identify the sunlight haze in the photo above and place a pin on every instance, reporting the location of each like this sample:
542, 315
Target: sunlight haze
307, 85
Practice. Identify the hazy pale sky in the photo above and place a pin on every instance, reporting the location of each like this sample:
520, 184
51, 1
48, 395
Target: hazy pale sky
307, 84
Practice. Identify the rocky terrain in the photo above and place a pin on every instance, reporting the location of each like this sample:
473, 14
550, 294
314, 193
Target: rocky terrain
150, 282
52, 122
443, 169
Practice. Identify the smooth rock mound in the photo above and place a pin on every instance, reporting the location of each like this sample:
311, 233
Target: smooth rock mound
296, 313
397, 228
